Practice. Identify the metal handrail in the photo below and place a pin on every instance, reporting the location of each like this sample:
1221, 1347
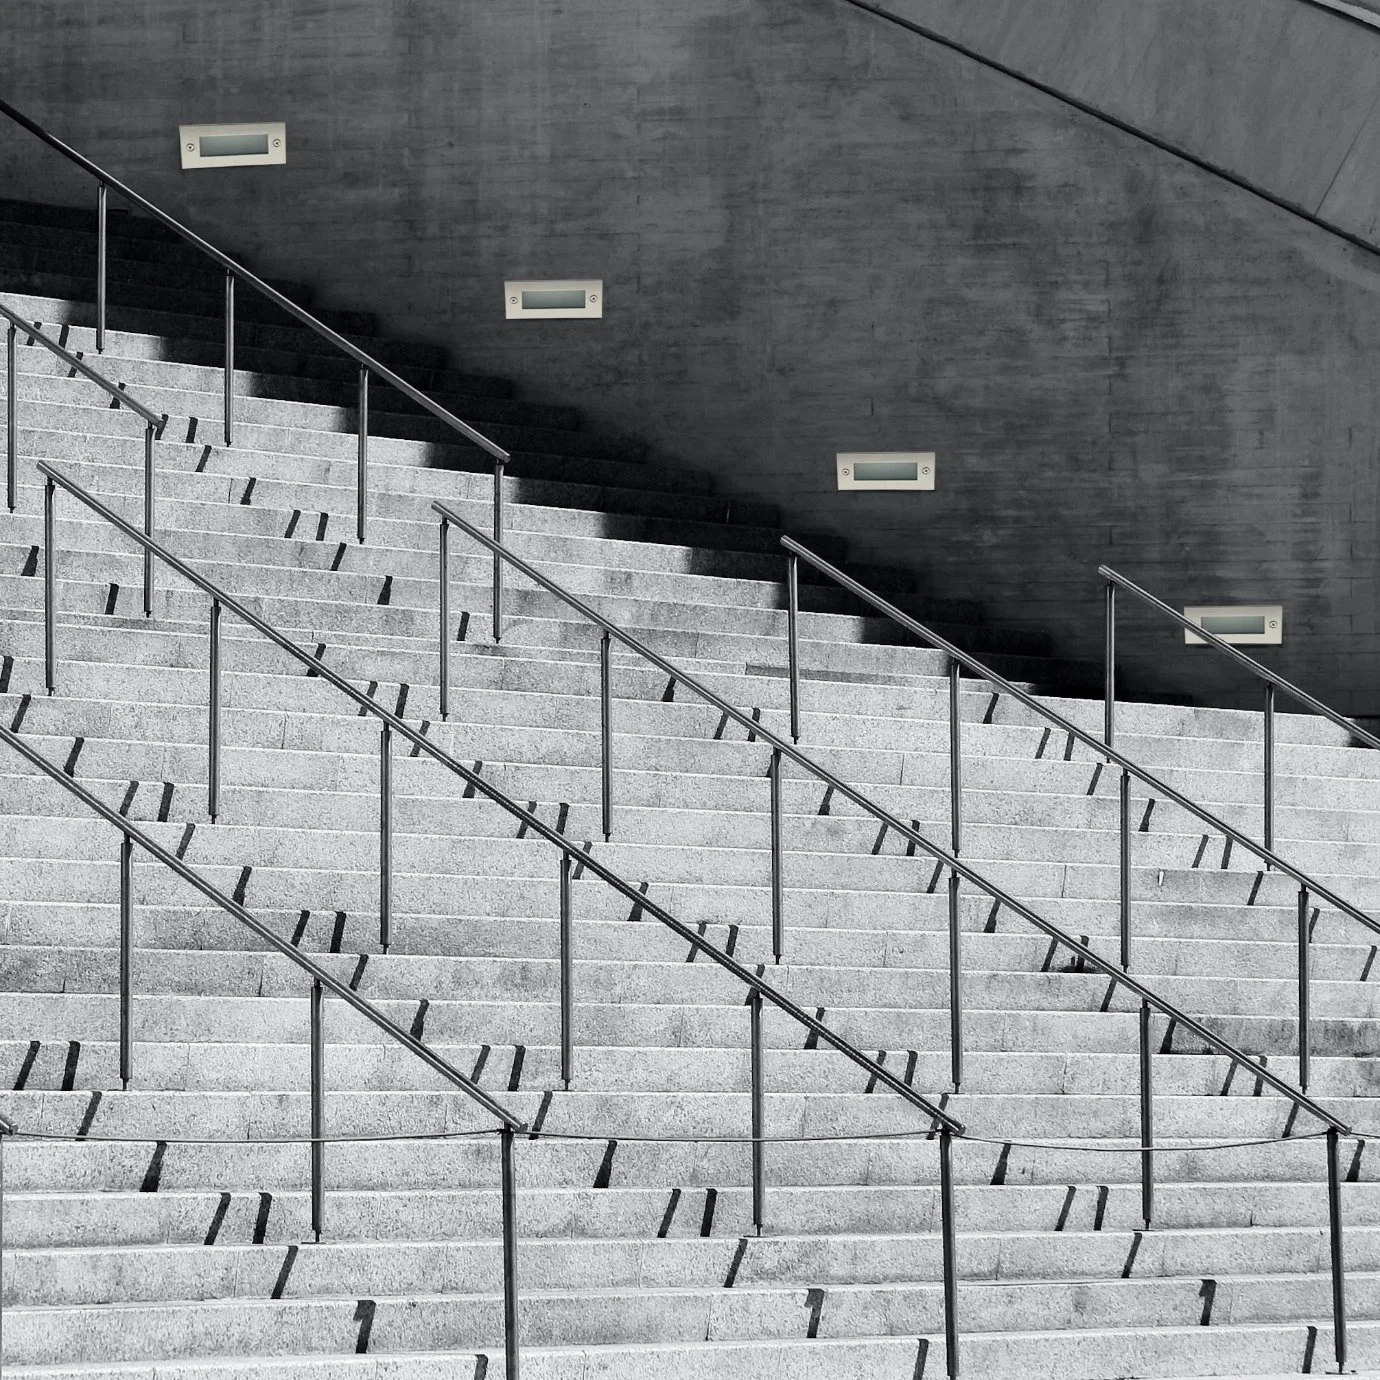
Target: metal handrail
153, 423
235, 272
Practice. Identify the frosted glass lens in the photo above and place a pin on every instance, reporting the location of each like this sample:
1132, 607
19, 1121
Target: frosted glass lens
885, 469
553, 299
232, 145
1224, 623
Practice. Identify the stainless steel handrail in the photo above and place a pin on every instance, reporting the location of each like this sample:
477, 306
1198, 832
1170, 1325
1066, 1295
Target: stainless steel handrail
153, 423
235, 272
1273, 682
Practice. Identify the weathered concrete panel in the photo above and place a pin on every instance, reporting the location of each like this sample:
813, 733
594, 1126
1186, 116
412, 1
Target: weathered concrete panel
819, 233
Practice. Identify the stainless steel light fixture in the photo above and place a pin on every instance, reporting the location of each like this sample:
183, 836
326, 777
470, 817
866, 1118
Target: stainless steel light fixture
1244, 624
233, 146
563, 298
886, 470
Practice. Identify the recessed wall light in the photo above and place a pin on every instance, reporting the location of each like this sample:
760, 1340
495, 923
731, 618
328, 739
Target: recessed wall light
233, 146
554, 299
1244, 624
886, 470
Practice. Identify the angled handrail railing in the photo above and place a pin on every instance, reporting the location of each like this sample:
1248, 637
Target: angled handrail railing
1273, 682
236, 272
153, 422
1308, 885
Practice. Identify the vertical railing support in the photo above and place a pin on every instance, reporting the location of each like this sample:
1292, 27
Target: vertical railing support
508, 1196
229, 401
792, 638
385, 836
213, 718
759, 1118
606, 732
567, 978
498, 559
443, 575
318, 1109
778, 908
1305, 964
126, 960
11, 418
1109, 669
956, 844
1334, 1220
362, 474
49, 589
949, 1238
1269, 765
1147, 1121
1125, 879
101, 194
148, 519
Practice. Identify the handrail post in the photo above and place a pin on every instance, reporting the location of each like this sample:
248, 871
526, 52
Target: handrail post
605, 732
148, 519
362, 473
949, 1238
126, 961
1125, 878
1305, 956
443, 575
385, 836
1269, 773
778, 908
1334, 1218
1147, 1121
229, 403
498, 560
793, 639
508, 1196
567, 978
1109, 669
758, 1110
101, 192
956, 843
11, 418
213, 718
318, 1109
49, 589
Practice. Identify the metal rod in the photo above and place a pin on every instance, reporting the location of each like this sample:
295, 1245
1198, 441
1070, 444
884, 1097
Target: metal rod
1334, 1218
101, 192
778, 908
793, 639
759, 1119
443, 575
606, 733
148, 520
213, 719
1147, 1121
1305, 955
1269, 774
385, 836
126, 960
949, 1236
318, 1109
229, 405
11, 418
498, 560
362, 477
1125, 885
955, 762
567, 979
508, 1194
1109, 669
49, 589
955, 984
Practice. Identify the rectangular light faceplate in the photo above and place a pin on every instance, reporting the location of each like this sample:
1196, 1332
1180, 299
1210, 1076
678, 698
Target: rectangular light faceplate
233, 146
1242, 624
886, 470
561, 299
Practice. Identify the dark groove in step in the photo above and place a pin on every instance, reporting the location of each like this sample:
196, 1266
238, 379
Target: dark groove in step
991, 926
922, 1356
1309, 1348
1208, 1294
732, 940
814, 1301
468, 792
217, 1220
31, 562
812, 1037
912, 1059
934, 879
70, 766
723, 724
191, 431
289, 1260
757, 719
701, 927
1096, 777
667, 696
128, 800
1167, 1047
991, 708
301, 929
69, 1067
6, 670
185, 840
522, 824
934, 1128
711, 1201
292, 522
320, 655
999, 1173
515, 1076
27, 1067
1066, 1208
669, 1215
828, 796
636, 912
401, 706
165, 804
153, 1175
872, 1077
1136, 1238
1227, 1081
563, 814
588, 848
65, 334
243, 884
339, 555
247, 497
481, 1367
1353, 1173
878, 841
605, 1171
1107, 1000
386, 593
261, 1219
1145, 818
112, 597
1040, 751
481, 1059
321, 526
417, 747
464, 625
358, 974
364, 1316
1198, 856
1068, 749
202, 459
20, 712
1226, 853
419, 1020
1101, 1212
1255, 887
89, 1116
1370, 962
733, 1266
1290, 1120
363, 711
539, 1120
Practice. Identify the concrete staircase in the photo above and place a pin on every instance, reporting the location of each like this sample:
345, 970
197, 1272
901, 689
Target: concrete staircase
191, 1260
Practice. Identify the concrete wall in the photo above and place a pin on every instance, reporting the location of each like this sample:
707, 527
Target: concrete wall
819, 233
